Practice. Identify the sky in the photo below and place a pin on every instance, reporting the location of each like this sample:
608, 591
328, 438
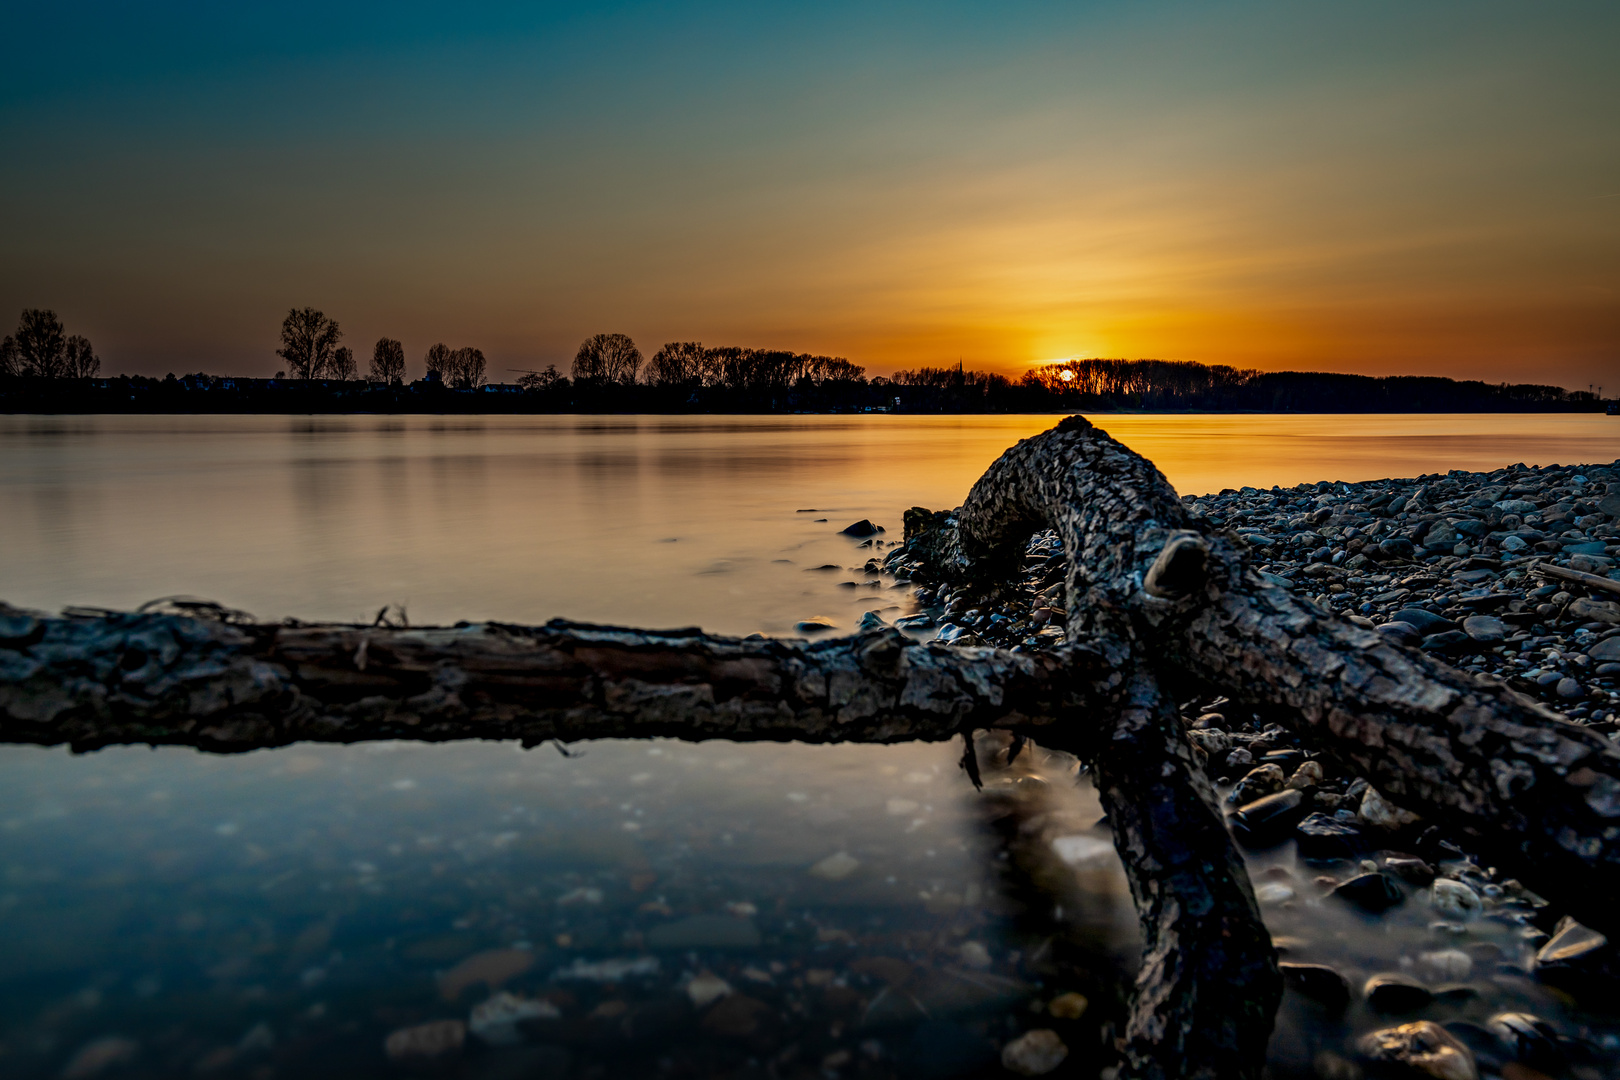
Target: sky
1376, 187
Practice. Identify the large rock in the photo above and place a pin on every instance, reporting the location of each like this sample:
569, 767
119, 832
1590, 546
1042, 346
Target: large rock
1485, 629
1425, 1048
1606, 651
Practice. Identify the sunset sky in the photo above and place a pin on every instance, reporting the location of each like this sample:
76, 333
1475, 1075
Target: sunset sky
1375, 187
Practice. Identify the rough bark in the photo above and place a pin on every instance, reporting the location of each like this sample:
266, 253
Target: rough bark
223, 686
1538, 794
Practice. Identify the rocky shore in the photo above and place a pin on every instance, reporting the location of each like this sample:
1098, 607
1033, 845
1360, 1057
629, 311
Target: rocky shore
1404, 953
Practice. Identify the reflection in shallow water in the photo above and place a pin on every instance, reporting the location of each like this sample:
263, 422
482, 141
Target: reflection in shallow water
652, 909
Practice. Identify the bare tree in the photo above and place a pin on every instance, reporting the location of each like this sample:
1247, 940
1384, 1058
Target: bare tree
607, 357
677, 362
38, 349
342, 365
536, 381
388, 361
79, 359
438, 361
466, 370
309, 343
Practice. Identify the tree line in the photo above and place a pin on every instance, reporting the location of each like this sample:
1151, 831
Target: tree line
42, 349
610, 374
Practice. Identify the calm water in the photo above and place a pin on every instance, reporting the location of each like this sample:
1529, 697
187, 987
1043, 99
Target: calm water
279, 913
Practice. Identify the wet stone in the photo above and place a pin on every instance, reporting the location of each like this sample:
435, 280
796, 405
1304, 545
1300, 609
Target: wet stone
1391, 993
1373, 892
1318, 982
1034, 1053
1485, 629
1269, 820
1425, 1048
1322, 837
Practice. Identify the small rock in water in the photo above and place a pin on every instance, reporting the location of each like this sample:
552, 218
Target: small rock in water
1324, 837
1320, 983
861, 528
815, 625
1424, 1047
1577, 957
1530, 1039
835, 867
1270, 893
1374, 892
1070, 1006
1034, 1053
974, 955
426, 1042
1395, 994
492, 968
1455, 900
872, 621
1446, 965
99, 1055
707, 987
496, 1020
1269, 820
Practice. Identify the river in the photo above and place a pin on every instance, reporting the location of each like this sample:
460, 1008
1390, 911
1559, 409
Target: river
279, 913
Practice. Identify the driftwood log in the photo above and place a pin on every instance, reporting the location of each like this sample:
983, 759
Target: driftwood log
1160, 606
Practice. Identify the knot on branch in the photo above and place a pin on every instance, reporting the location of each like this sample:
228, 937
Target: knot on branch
1181, 568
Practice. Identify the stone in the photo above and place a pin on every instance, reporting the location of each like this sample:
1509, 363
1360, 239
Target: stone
737, 1016
1594, 610
1380, 813
1606, 651
815, 625
608, 971
1513, 544
98, 1055
861, 528
426, 1042
1259, 782
1324, 837
1402, 633
1070, 1006
492, 967
1446, 965
1372, 892
973, 954
1517, 506
496, 1020
835, 867
1397, 547
1308, 775
706, 988
1409, 869
1269, 820
1034, 1053
1391, 993
1448, 641
1424, 1047
1485, 629
1586, 547
1529, 1038
1271, 893
1320, 983
1455, 900
1569, 689
1427, 622
871, 620
1577, 958
705, 932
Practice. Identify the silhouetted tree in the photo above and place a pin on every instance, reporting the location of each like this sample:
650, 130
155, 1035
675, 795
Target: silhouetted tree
309, 343
536, 381
342, 365
466, 369
438, 361
388, 361
79, 359
608, 358
677, 362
